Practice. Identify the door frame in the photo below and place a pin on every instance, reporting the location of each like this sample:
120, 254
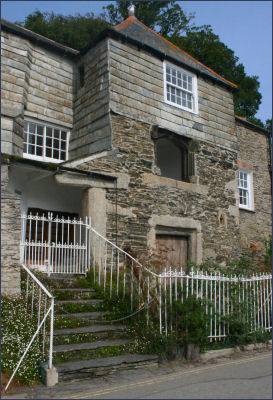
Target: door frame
177, 226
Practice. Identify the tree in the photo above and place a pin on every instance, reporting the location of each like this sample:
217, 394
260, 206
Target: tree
206, 46
76, 31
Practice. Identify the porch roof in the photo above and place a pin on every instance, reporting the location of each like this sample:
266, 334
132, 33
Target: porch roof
56, 167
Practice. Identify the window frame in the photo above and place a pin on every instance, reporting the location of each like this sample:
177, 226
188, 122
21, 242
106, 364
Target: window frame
249, 189
44, 158
194, 92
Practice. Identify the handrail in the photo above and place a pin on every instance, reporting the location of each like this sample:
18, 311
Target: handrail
41, 321
37, 281
122, 251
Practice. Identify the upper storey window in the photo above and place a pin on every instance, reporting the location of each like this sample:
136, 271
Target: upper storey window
45, 142
245, 188
180, 88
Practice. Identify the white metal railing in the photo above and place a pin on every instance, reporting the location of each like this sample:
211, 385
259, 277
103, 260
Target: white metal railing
120, 273
74, 246
40, 304
55, 245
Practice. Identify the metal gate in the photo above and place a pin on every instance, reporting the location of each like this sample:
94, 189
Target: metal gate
56, 245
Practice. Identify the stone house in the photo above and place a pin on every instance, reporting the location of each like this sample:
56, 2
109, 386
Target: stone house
134, 133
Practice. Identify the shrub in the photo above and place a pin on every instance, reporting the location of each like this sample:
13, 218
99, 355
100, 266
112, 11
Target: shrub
191, 321
17, 330
268, 254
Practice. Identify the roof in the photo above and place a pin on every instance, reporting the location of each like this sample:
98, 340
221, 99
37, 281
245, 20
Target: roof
8, 158
135, 29
250, 125
38, 39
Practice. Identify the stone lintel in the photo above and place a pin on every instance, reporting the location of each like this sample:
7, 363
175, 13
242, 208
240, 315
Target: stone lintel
78, 180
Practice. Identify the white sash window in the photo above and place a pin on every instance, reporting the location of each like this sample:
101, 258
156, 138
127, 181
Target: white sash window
180, 88
45, 142
245, 188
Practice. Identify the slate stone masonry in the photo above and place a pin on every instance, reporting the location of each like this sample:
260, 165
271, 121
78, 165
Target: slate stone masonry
211, 201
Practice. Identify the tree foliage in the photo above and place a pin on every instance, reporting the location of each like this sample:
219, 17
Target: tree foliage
169, 19
76, 31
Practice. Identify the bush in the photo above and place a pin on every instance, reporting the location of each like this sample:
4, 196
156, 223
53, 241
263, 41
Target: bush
17, 330
191, 321
268, 254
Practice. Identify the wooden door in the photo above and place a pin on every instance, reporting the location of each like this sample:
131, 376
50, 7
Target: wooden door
173, 250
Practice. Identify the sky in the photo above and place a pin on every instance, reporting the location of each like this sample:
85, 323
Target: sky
244, 26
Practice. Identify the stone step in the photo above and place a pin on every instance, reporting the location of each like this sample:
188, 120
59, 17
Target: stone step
89, 329
75, 289
74, 294
84, 315
63, 348
80, 301
102, 366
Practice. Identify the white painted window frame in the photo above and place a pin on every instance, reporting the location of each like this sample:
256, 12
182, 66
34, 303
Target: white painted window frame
194, 92
249, 189
44, 158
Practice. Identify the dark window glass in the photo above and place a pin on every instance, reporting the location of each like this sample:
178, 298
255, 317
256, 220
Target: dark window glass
39, 151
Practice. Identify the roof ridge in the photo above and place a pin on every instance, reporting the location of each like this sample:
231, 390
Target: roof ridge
130, 20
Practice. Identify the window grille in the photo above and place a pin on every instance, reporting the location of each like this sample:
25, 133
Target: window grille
45, 142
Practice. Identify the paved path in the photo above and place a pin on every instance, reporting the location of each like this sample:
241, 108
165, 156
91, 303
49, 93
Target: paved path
244, 376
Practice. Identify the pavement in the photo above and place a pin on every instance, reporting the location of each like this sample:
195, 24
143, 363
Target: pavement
246, 375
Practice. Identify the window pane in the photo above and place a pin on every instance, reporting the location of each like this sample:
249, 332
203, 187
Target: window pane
49, 132
48, 152
56, 154
56, 143
63, 155
49, 142
31, 149
63, 135
39, 140
25, 126
31, 127
25, 148
63, 145
39, 151
40, 130
56, 133
31, 138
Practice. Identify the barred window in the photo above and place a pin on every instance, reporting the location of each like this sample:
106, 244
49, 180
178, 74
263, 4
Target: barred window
245, 188
180, 88
45, 142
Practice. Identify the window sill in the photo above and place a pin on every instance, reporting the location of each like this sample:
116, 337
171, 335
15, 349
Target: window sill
152, 180
180, 107
42, 159
251, 210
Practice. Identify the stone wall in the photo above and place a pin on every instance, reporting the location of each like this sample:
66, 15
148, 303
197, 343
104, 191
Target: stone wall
36, 83
137, 91
253, 155
91, 131
10, 236
209, 204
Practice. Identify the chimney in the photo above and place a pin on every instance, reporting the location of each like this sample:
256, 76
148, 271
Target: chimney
131, 10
